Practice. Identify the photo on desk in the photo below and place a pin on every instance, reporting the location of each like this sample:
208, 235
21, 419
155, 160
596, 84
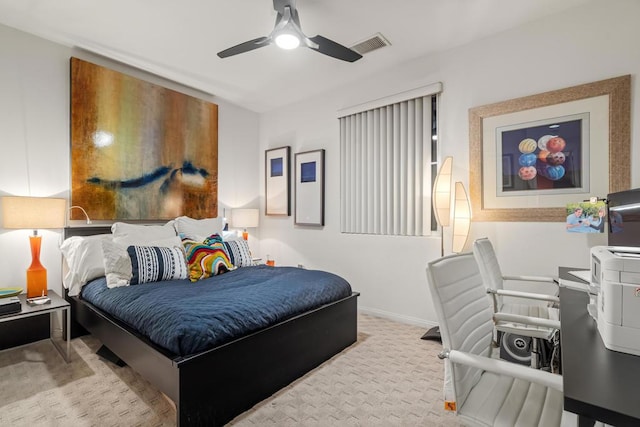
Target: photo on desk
586, 217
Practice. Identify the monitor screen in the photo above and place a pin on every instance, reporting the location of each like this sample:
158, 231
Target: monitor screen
624, 218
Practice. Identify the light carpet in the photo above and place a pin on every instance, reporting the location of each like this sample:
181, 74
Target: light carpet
389, 377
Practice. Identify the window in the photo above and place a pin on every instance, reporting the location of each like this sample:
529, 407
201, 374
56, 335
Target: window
386, 151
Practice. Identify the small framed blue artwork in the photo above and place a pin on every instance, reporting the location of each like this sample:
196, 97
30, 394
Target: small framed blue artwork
277, 168
277, 182
308, 172
309, 188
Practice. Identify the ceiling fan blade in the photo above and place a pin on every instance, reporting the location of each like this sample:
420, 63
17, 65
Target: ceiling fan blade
278, 5
333, 49
245, 47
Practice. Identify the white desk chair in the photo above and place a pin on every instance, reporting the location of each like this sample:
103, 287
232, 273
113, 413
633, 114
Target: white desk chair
503, 311
481, 390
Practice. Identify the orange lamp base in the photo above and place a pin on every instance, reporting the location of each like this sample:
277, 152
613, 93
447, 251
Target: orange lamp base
36, 273
245, 235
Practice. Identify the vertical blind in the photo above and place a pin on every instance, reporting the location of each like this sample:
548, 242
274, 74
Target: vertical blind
385, 167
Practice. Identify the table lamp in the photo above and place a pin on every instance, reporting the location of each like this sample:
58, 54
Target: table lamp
244, 218
34, 213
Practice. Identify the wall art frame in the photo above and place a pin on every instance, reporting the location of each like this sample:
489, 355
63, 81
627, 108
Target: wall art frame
277, 181
309, 188
607, 104
140, 151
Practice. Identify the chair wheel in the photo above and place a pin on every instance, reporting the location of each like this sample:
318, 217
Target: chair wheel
515, 348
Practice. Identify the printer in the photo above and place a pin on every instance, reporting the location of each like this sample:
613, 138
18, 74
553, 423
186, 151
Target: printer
615, 277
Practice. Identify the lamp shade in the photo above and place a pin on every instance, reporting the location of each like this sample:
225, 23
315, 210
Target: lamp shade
244, 218
461, 218
33, 212
441, 198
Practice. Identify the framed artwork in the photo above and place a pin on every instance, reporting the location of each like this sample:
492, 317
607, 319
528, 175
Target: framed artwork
140, 151
309, 188
530, 156
277, 182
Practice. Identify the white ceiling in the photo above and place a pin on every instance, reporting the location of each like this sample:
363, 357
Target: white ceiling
179, 39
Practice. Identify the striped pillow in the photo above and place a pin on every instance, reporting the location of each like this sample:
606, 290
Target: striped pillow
239, 253
154, 264
206, 259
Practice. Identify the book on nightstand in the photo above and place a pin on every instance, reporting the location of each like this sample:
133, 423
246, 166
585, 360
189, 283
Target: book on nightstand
10, 305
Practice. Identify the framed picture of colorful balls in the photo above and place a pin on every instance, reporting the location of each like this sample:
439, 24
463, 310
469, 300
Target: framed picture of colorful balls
546, 155
530, 156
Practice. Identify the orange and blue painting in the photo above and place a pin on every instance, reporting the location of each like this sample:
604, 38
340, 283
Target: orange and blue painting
140, 151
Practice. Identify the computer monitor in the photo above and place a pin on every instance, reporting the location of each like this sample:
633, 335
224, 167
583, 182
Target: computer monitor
623, 212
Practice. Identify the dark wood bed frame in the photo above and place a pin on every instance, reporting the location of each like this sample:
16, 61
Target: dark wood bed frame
213, 387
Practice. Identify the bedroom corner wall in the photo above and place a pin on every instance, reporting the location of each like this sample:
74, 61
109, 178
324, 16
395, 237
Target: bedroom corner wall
596, 41
34, 141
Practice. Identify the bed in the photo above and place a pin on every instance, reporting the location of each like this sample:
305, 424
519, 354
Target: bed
212, 386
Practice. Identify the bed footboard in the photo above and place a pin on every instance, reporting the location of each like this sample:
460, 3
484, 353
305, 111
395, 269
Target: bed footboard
222, 383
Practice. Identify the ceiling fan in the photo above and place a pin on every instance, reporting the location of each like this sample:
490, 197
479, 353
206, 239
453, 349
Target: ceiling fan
288, 35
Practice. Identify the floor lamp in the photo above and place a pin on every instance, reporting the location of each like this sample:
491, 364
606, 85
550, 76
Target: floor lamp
461, 227
441, 202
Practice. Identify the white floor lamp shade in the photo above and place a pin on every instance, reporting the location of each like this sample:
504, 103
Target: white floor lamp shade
441, 197
461, 218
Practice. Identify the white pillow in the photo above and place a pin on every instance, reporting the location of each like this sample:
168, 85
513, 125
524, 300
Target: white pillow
230, 235
198, 229
135, 234
167, 242
143, 232
84, 259
117, 264
239, 252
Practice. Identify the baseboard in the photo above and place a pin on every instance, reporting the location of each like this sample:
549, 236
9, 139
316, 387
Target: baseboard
397, 317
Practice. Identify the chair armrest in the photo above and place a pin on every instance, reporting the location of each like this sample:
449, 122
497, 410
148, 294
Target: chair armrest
527, 295
544, 279
504, 368
526, 320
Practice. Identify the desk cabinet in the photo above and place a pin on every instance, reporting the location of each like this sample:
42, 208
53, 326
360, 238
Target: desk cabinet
599, 384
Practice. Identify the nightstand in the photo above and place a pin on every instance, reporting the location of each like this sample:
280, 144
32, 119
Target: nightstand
56, 305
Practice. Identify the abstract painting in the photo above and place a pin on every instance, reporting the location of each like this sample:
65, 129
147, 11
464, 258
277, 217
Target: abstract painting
140, 151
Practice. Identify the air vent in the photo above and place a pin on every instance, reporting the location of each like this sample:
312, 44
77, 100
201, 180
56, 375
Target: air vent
372, 43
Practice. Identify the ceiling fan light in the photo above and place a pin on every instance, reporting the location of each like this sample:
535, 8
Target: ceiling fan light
287, 41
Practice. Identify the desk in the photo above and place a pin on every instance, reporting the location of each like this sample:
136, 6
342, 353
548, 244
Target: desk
599, 384
56, 305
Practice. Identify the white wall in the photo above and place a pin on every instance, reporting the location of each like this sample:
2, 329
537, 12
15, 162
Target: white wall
34, 141
591, 43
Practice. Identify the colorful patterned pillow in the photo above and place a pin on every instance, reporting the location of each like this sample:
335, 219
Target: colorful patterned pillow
206, 259
155, 264
239, 253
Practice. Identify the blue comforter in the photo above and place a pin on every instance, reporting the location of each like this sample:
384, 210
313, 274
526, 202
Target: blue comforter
187, 318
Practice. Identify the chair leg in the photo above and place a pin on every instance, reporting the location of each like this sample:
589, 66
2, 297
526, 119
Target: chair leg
535, 360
